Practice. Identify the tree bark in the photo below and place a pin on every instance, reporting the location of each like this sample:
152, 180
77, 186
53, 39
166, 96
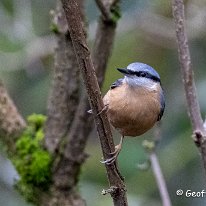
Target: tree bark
103, 127
64, 95
62, 109
193, 108
69, 162
11, 122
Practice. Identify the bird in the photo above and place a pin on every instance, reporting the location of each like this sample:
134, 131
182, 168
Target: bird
134, 103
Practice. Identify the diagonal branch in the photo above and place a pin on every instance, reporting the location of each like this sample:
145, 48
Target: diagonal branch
188, 78
62, 111
67, 168
159, 179
82, 123
157, 171
86, 66
11, 122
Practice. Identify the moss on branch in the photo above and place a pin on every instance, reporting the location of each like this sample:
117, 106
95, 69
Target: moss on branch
31, 160
116, 13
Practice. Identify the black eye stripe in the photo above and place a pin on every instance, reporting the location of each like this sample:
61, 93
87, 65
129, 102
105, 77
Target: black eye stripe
156, 79
145, 74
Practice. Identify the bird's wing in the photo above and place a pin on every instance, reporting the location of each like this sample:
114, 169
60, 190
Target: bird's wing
162, 102
117, 83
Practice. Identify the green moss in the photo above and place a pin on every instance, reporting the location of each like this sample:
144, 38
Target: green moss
54, 28
116, 14
31, 160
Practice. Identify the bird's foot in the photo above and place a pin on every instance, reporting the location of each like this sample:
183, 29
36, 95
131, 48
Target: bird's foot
105, 108
114, 155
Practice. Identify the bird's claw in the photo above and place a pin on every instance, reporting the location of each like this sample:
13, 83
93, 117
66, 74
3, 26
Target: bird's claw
105, 108
112, 153
115, 154
110, 160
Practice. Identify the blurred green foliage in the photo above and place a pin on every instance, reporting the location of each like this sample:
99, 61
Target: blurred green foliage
27, 75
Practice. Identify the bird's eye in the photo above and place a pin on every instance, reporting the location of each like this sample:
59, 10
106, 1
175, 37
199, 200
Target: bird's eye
142, 74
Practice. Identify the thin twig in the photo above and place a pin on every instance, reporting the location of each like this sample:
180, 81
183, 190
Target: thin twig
159, 179
157, 171
199, 133
150, 147
86, 66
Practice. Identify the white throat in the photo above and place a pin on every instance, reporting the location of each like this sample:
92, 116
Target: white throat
141, 82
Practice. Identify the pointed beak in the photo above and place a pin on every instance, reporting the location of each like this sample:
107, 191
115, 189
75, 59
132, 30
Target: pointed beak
124, 71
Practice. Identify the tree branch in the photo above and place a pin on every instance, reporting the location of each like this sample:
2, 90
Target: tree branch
64, 95
62, 110
188, 78
150, 147
157, 171
103, 127
82, 123
11, 122
104, 38
159, 179
106, 6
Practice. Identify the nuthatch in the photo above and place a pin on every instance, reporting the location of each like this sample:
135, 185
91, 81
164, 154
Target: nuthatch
134, 103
